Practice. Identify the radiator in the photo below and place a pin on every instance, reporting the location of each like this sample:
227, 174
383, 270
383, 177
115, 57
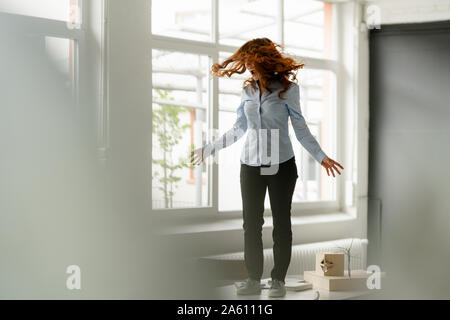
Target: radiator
303, 256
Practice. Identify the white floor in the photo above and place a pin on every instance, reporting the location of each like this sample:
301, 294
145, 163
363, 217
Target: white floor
229, 293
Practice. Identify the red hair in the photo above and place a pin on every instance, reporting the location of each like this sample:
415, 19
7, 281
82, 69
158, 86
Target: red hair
270, 64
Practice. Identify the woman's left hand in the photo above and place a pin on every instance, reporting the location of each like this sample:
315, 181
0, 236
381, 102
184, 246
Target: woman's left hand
330, 164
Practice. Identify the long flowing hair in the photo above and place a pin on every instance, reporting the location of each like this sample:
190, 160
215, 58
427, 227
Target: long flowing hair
270, 64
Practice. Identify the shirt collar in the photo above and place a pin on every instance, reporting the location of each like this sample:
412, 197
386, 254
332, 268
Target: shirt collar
273, 85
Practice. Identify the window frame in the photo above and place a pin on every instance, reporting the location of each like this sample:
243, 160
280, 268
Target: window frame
212, 49
44, 27
90, 66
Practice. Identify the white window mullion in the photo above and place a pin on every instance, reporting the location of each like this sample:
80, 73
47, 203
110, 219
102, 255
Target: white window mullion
215, 22
280, 22
213, 119
213, 109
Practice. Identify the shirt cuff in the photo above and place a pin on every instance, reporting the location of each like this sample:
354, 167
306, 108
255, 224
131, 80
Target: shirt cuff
320, 156
208, 149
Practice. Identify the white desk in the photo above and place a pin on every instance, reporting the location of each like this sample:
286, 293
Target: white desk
229, 293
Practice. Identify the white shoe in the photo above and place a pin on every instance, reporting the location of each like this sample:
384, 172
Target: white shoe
277, 288
249, 286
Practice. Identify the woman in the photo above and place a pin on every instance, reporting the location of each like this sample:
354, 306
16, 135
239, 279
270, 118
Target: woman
268, 99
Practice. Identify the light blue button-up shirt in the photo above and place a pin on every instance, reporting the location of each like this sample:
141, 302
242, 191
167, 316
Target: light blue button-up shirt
265, 119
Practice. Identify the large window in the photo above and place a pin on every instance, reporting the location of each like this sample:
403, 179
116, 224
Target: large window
188, 103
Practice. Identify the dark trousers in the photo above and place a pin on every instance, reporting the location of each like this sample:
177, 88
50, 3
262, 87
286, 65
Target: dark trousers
253, 190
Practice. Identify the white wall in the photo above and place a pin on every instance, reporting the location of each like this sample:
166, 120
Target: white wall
410, 11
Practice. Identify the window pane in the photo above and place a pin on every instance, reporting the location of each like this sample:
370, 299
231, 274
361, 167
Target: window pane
243, 20
182, 19
229, 168
317, 98
61, 53
308, 28
180, 98
62, 10
230, 90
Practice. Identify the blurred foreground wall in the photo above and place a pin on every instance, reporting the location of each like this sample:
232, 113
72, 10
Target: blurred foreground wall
62, 202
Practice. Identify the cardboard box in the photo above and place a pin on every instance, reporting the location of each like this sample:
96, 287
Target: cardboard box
330, 264
358, 280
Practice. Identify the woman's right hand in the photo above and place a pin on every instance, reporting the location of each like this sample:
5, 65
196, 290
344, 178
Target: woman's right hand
197, 156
